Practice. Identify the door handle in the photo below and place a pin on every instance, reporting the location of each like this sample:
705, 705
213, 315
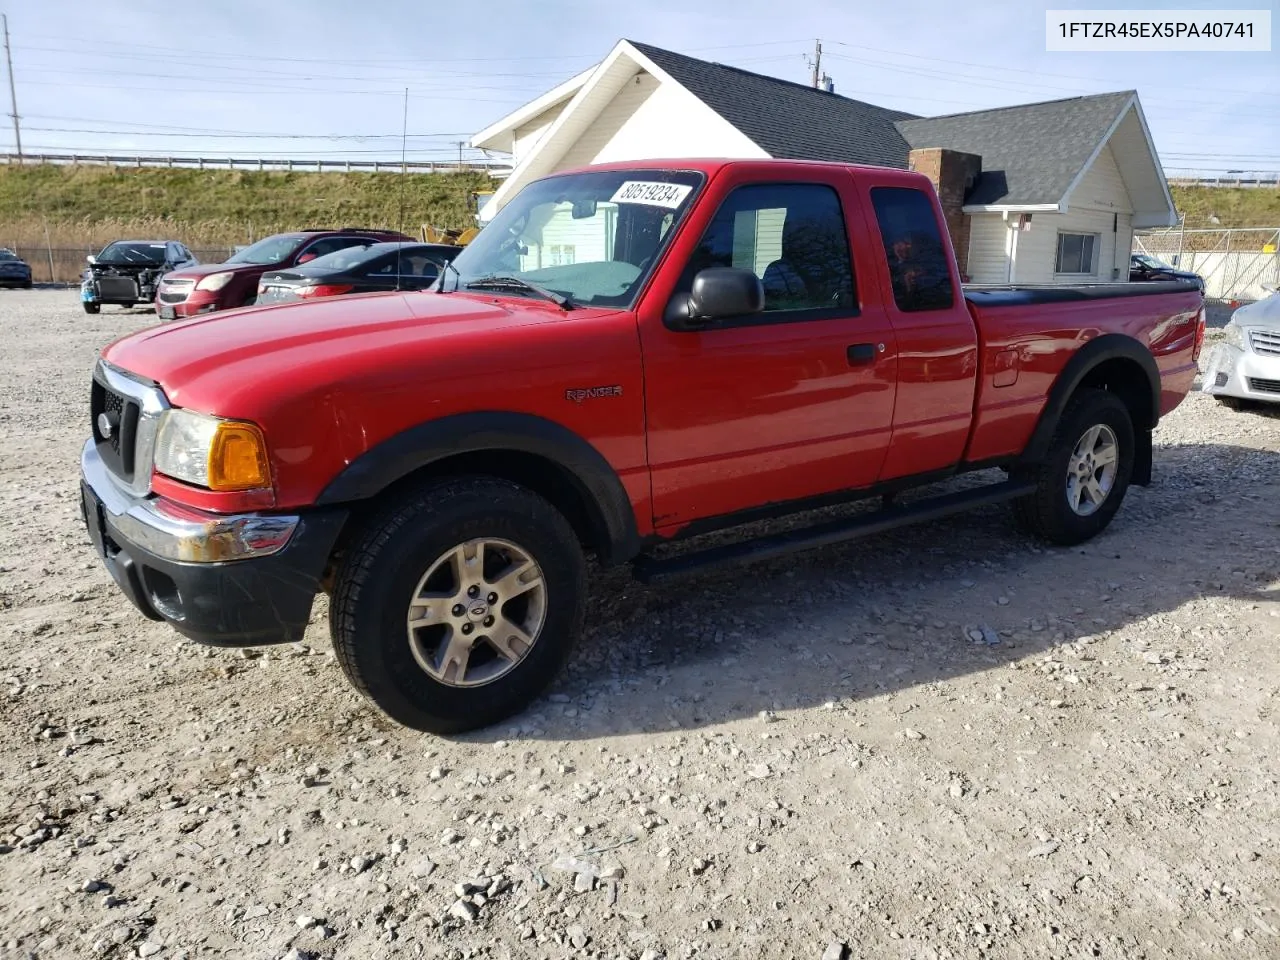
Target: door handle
863, 353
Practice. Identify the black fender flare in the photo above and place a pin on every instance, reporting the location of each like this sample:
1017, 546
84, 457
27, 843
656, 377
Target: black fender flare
1099, 350
597, 484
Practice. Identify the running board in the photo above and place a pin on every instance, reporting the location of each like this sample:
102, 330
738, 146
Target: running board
648, 569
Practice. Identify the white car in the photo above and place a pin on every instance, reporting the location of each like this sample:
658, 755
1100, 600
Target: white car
1245, 364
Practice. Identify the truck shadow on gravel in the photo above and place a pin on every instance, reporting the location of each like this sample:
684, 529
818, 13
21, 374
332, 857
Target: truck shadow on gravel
891, 614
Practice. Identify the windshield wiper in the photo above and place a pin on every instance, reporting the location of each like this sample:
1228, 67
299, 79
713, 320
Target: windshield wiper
448, 265
499, 282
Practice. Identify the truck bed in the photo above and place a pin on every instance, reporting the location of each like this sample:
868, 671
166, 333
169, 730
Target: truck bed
1027, 333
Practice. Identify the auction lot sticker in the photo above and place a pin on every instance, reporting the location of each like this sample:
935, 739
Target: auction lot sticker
654, 194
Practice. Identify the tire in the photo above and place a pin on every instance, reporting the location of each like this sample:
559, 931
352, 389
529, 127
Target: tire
28, 285
93, 308
1049, 512
393, 558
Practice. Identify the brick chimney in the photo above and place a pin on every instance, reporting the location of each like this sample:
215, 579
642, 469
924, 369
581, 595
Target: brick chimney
953, 173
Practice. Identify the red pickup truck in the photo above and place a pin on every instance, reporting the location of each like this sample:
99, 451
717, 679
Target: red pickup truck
627, 355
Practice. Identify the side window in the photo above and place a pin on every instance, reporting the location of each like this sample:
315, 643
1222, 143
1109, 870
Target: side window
792, 236
913, 248
382, 267
330, 244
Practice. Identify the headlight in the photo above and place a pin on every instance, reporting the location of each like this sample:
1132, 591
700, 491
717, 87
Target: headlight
214, 281
1233, 335
211, 452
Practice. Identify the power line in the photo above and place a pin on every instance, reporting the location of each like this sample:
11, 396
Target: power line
1037, 73
223, 135
276, 89
165, 126
1001, 84
268, 154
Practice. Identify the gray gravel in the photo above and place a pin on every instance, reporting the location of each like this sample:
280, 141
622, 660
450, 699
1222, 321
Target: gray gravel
944, 742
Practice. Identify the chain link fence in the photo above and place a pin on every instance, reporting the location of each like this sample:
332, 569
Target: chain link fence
67, 264
1237, 264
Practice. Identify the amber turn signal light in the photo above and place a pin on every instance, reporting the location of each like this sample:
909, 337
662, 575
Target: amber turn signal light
238, 457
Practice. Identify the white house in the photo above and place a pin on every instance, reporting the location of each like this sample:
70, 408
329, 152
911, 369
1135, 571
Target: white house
1038, 193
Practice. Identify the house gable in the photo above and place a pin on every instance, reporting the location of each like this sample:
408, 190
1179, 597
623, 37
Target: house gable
788, 119
645, 102
1031, 154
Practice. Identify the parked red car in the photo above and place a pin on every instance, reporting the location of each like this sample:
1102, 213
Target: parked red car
234, 283
626, 356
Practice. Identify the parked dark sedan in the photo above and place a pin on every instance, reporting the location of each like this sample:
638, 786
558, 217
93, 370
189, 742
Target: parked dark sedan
365, 269
127, 272
1143, 266
14, 271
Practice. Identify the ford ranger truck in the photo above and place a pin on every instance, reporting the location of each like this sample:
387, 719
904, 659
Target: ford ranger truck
626, 356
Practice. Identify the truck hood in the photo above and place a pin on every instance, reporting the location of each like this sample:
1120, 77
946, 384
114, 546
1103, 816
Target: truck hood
217, 362
196, 271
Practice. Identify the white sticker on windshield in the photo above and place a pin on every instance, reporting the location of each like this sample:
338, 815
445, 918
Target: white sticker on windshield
654, 194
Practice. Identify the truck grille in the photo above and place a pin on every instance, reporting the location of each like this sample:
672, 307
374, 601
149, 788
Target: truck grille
114, 423
1264, 386
1265, 341
124, 416
118, 288
175, 291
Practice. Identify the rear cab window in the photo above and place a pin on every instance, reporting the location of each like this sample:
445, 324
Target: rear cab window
919, 268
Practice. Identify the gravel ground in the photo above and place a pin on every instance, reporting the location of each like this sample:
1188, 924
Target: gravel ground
806, 758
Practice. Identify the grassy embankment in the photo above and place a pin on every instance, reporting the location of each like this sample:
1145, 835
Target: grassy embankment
75, 210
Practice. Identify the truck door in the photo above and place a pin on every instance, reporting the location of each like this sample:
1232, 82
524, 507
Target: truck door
937, 340
777, 406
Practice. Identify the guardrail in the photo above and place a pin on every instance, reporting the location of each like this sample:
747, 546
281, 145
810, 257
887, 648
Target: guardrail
495, 168
1236, 178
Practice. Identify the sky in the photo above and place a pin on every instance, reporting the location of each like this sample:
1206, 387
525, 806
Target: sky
326, 79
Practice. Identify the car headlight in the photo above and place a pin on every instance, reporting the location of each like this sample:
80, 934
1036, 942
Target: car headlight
214, 281
211, 452
1233, 335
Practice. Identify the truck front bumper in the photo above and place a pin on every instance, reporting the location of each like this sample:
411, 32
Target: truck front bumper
1232, 372
228, 581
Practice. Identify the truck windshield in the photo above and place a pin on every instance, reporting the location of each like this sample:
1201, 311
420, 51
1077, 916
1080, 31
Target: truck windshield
126, 251
590, 237
268, 251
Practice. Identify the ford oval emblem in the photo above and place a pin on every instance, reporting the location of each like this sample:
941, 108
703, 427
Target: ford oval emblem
105, 427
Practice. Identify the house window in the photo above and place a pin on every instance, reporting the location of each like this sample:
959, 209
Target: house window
1077, 253
560, 255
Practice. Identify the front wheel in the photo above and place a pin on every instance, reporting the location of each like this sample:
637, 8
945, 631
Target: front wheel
457, 606
1083, 480
92, 308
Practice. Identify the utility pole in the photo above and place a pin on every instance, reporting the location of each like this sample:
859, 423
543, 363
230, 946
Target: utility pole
817, 62
13, 95
459, 144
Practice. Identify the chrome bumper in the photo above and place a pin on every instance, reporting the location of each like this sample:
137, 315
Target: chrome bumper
1233, 372
179, 533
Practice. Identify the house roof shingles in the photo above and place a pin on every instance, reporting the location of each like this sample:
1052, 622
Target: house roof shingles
788, 119
1030, 153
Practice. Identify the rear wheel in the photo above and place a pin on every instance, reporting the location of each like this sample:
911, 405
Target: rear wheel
92, 308
456, 607
1083, 479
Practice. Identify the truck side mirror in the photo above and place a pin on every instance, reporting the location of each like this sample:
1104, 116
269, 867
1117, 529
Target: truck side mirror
718, 293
